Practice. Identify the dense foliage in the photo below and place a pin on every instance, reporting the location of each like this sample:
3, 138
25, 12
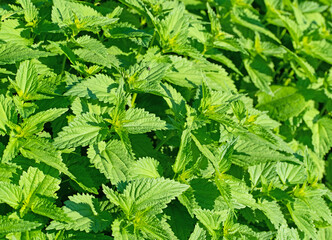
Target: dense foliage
153, 119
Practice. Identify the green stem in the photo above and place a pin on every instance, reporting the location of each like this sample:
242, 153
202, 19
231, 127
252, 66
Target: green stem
133, 100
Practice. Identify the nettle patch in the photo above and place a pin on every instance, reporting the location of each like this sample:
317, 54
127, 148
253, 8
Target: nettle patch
139, 119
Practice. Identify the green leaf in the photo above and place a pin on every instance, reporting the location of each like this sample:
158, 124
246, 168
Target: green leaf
287, 102
7, 114
290, 173
173, 29
85, 214
6, 172
300, 213
211, 220
111, 159
322, 136
198, 233
26, 82
11, 194
12, 149
137, 120
145, 168
248, 19
86, 176
11, 53
30, 11
95, 52
285, 233
78, 17
262, 171
13, 32
36, 182
146, 77
35, 123
273, 212
83, 130
147, 194
153, 193
10, 225
320, 208
156, 229
185, 153
260, 73
251, 150
240, 193
45, 207
320, 50
121, 230
175, 101
309, 71
41, 150
100, 87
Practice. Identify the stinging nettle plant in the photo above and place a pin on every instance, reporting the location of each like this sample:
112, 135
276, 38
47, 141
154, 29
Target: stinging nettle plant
138, 119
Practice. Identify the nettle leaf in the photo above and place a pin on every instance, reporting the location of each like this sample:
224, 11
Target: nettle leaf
255, 151
273, 212
112, 159
146, 194
7, 114
137, 120
11, 194
211, 220
153, 228
322, 136
12, 149
145, 168
260, 73
300, 213
175, 101
42, 150
26, 82
198, 233
47, 208
291, 173
85, 214
185, 153
287, 102
35, 123
99, 87
146, 77
12, 31
262, 171
30, 11
123, 231
12, 52
95, 52
173, 29
307, 70
320, 208
285, 233
10, 225
6, 171
82, 105
35, 182
78, 17
85, 129
247, 18
240, 193
320, 50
